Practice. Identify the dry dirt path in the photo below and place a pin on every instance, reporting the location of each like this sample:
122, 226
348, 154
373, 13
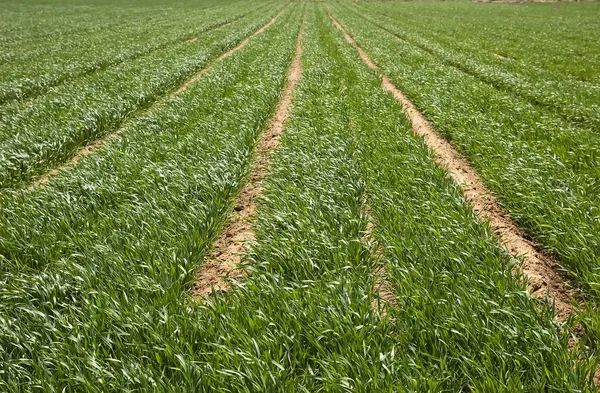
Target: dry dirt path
98, 144
223, 262
539, 268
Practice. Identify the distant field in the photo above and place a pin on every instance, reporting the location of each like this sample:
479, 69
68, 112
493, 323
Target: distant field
365, 196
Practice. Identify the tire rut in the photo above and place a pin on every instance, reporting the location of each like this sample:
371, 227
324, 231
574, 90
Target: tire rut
385, 297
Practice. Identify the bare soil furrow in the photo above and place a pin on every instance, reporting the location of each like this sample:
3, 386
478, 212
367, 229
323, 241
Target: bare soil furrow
540, 269
384, 296
38, 95
87, 150
224, 25
225, 55
224, 261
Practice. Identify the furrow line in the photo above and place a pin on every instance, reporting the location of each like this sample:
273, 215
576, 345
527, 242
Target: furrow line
87, 150
540, 269
481, 78
34, 96
226, 24
225, 55
225, 258
385, 296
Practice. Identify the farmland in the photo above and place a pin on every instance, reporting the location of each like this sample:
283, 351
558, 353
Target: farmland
299, 196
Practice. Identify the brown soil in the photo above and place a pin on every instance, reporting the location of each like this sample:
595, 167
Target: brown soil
101, 142
224, 261
384, 292
539, 268
385, 297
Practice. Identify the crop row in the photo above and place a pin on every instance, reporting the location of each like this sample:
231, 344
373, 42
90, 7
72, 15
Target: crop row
37, 22
576, 101
543, 172
77, 41
36, 137
466, 322
42, 67
95, 263
561, 42
547, 124
304, 318
45, 24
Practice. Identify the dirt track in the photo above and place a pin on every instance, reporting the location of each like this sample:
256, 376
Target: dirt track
232, 241
539, 268
87, 150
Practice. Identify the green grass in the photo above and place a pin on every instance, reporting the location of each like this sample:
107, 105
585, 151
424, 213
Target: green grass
560, 39
49, 20
543, 170
471, 48
33, 68
36, 137
96, 265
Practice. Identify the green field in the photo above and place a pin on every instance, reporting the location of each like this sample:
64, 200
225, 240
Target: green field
136, 136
